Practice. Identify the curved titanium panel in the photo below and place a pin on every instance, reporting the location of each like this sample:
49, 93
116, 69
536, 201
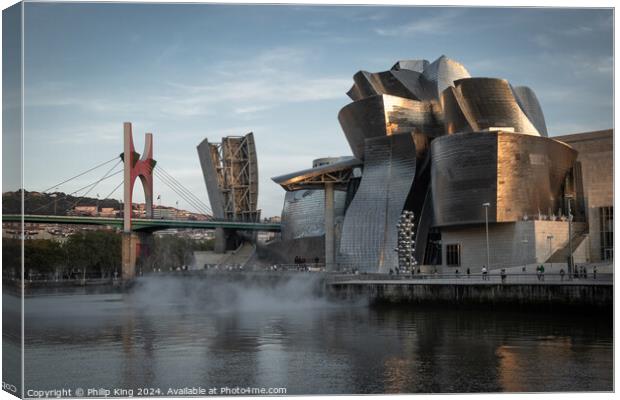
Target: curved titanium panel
490, 103
402, 83
386, 115
369, 232
444, 72
411, 65
454, 120
531, 175
519, 175
303, 214
531, 107
420, 87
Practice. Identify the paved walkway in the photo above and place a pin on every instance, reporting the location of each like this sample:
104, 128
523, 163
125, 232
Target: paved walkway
514, 275
532, 280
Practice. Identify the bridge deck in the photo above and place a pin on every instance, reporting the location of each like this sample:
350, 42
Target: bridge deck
143, 224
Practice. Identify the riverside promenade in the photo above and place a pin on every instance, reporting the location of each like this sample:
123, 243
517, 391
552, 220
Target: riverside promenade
517, 290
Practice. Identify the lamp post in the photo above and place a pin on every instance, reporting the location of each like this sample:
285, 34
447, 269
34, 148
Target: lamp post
550, 238
570, 238
525, 242
486, 221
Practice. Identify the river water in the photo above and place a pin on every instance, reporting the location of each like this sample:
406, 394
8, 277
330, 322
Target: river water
172, 333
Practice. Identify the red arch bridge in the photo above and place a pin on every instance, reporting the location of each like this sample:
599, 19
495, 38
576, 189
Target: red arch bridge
137, 231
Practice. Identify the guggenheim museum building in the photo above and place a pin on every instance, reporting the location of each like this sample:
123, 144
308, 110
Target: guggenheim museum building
471, 157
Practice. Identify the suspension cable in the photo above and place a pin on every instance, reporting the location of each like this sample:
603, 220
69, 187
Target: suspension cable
183, 193
193, 205
114, 190
82, 188
83, 173
105, 176
190, 201
191, 194
187, 191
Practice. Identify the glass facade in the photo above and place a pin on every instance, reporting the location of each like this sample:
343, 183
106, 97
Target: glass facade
453, 255
606, 221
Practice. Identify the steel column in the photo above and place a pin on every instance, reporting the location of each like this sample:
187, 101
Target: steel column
329, 226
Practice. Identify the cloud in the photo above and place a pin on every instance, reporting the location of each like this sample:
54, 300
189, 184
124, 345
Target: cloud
580, 65
273, 77
440, 23
242, 86
552, 37
82, 134
251, 109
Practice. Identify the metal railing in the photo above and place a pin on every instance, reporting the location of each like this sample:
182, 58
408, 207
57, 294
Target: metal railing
478, 278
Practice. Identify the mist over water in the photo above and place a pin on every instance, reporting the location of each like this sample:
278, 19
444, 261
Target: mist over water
223, 294
243, 330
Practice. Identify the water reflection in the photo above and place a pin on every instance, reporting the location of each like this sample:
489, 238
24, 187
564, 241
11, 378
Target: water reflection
179, 332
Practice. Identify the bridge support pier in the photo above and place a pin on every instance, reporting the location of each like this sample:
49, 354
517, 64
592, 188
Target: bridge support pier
220, 241
226, 239
129, 256
136, 246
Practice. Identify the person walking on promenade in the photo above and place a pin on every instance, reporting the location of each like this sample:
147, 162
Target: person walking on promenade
538, 272
503, 275
542, 272
594, 272
484, 273
562, 274
585, 272
468, 272
457, 273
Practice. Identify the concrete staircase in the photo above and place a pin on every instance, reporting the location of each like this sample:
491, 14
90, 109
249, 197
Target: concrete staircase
240, 256
561, 255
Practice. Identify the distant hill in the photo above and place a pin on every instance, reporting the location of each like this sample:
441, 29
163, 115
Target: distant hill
43, 203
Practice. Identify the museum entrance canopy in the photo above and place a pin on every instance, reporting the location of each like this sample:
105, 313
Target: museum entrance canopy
338, 173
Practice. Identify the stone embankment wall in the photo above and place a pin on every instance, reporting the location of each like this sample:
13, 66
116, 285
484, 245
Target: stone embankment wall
595, 296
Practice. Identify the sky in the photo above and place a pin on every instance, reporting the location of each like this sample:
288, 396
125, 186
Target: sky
189, 72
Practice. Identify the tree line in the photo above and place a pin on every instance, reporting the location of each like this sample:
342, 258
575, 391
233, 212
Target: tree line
57, 203
92, 254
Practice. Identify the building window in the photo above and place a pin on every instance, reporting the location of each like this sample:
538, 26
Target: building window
606, 220
453, 255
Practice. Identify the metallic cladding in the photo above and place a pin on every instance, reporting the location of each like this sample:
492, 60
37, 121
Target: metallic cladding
419, 191
386, 115
444, 72
412, 65
463, 176
369, 232
531, 107
531, 172
488, 103
303, 214
402, 83
519, 175
454, 120
209, 163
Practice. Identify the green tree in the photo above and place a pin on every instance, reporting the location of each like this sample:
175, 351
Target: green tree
96, 251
